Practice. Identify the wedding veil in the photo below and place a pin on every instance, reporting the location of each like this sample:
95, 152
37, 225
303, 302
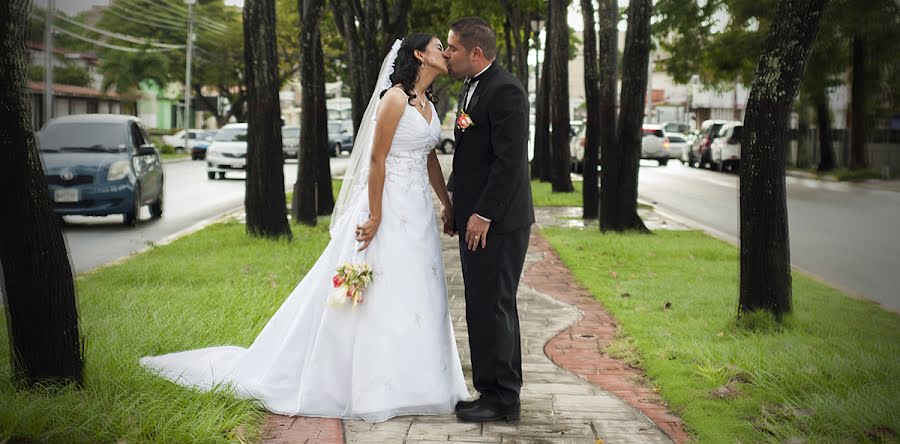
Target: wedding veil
356, 177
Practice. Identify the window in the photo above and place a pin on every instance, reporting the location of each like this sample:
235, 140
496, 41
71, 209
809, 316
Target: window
94, 136
231, 135
652, 132
676, 139
136, 137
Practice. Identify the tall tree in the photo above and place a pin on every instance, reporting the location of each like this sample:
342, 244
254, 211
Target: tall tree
608, 13
369, 28
304, 207
765, 248
540, 164
264, 198
324, 192
618, 212
559, 92
590, 198
36, 278
858, 104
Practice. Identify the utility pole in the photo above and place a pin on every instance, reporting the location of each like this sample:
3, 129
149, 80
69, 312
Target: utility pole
187, 75
48, 61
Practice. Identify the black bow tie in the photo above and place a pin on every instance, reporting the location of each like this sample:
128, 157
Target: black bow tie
472, 80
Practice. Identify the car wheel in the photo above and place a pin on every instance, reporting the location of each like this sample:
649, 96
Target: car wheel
663, 162
179, 149
211, 175
337, 150
720, 166
221, 175
156, 208
447, 146
130, 217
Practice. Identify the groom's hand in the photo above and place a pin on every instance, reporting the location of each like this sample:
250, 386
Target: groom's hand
476, 232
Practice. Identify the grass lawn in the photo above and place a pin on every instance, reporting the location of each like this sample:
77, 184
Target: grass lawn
215, 287
175, 156
830, 373
543, 196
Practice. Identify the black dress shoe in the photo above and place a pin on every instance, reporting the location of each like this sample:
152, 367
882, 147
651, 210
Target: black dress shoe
464, 405
484, 413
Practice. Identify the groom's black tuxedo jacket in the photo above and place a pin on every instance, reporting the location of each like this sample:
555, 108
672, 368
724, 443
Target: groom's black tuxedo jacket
490, 165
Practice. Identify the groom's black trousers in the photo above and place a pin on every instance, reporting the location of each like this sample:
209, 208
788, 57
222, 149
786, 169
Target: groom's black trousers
491, 277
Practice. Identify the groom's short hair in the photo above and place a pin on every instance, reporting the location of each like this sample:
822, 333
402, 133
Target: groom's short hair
476, 32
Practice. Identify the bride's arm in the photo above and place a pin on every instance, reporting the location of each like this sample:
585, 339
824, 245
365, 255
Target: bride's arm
436, 177
388, 117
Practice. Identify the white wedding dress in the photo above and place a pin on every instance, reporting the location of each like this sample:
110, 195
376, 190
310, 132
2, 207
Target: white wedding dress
394, 354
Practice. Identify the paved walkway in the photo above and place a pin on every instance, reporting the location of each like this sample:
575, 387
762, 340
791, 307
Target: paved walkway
580, 396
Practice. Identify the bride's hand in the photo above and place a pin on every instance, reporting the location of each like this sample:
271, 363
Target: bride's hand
447, 219
366, 232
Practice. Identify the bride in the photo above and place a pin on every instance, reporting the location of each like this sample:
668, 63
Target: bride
394, 353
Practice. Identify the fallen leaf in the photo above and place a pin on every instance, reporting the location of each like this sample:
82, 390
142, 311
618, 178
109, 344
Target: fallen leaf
614, 274
720, 334
668, 305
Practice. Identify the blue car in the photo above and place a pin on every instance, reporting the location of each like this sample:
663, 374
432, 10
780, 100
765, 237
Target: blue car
101, 164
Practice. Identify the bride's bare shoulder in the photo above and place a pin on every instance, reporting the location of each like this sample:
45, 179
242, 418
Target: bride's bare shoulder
393, 102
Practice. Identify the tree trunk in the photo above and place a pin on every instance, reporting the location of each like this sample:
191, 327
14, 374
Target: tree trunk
304, 207
36, 278
858, 105
264, 198
369, 29
765, 246
826, 141
559, 90
619, 209
608, 13
325, 197
542, 113
590, 198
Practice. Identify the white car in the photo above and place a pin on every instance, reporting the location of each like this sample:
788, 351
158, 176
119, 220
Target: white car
725, 151
678, 143
576, 150
654, 144
177, 139
228, 151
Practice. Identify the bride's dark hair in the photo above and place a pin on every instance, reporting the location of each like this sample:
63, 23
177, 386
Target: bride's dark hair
407, 66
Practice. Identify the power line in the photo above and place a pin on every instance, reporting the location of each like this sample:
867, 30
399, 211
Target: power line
118, 36
107, 45
168, 15
144, 22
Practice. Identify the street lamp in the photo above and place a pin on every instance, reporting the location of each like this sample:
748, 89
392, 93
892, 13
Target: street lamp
187, 73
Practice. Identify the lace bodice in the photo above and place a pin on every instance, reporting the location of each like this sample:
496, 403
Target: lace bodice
406, 164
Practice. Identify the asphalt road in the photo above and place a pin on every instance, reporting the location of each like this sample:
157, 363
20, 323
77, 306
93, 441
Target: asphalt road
191, 199
845, 235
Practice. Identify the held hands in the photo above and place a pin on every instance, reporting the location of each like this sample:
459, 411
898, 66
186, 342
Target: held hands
447, 219
476, 232
366, 232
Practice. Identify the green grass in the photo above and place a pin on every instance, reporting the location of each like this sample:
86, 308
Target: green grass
215, 287
844, 174
543, 195
335, 190
829, 373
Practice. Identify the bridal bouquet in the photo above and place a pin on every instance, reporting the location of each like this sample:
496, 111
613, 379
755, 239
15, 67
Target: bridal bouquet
350, 283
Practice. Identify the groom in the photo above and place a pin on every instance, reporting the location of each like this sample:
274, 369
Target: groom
493, 213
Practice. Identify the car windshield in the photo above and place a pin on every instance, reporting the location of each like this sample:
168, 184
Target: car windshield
676, 139
677, 127
652, 132
231, 135
714, 131
105, 137
290, 132
335, 127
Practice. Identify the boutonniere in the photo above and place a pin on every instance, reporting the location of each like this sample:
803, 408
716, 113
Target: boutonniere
463, 121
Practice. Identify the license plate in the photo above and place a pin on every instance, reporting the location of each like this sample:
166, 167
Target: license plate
66, 195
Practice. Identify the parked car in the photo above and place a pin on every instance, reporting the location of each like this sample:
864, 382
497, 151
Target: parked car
576, 150
198, 149
698, 155
654, 144
676, 127
177, 139
101, 164
678, 143
228, 151
448, 139
340, 138
290, 141
725, 151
